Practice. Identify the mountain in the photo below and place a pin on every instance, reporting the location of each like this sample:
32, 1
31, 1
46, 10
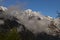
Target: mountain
28, 22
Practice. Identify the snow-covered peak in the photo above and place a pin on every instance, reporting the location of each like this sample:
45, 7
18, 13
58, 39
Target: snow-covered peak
28, 10
3, 8
31, 12
49, 18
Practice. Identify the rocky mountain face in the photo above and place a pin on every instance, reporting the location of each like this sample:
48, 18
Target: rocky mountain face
7, 21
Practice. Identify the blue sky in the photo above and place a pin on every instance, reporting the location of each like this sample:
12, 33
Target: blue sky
46, 7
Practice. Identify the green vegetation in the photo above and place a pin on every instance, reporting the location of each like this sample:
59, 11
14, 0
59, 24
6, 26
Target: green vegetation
11, 35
